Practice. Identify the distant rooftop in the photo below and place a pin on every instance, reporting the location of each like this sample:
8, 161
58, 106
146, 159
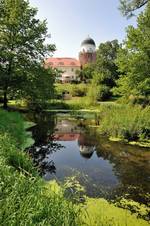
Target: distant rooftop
62, 61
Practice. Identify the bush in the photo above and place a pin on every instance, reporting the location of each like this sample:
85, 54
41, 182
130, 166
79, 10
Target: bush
73, 89
103, 93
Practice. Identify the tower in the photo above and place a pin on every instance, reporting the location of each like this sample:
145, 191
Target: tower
87, 52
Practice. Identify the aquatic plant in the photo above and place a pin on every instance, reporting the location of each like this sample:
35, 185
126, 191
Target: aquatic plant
126, 122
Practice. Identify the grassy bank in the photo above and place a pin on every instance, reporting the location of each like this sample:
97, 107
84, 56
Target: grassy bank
24, 197
126, 122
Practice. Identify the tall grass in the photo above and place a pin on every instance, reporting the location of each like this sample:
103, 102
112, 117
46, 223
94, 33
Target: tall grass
125, 122
13, 125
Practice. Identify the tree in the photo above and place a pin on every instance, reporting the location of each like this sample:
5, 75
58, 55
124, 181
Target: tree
127, 7
105, 62
134, 59
105, 71
22, 49
86, 73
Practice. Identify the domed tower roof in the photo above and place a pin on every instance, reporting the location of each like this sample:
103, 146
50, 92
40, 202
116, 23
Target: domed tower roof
88, 41
88, 45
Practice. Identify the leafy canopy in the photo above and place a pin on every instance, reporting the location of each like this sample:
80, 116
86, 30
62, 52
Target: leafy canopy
22, 49
134, 59
105, 62
127, 7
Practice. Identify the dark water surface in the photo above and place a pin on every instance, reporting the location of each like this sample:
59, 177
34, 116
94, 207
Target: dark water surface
68, 145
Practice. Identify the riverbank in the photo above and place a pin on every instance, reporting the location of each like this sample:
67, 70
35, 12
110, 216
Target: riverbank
119, 122
26, 199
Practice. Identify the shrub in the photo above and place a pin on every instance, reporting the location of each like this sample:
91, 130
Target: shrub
103, 93
73, 89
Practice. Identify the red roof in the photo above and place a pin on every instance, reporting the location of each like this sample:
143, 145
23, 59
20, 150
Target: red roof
66, 136
60, 62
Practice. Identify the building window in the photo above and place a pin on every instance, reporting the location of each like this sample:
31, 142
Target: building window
61, 63
72, 63
72, 69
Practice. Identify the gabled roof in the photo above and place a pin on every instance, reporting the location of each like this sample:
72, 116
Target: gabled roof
60, 62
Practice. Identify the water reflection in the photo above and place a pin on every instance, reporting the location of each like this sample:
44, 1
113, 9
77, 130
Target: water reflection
65, 146
44, 145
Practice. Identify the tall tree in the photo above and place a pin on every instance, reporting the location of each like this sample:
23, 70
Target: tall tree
134, 59
22, 48
105, 62
127, 7
105, 71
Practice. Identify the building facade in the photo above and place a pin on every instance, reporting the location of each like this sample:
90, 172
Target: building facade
68, 67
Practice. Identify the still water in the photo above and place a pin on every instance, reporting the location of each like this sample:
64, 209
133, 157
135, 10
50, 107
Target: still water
68, 145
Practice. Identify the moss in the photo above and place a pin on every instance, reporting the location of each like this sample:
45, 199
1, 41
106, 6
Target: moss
141, 144
100, 212
145, 144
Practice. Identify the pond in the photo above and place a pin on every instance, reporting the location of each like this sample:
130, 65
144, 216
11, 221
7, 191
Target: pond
69, 145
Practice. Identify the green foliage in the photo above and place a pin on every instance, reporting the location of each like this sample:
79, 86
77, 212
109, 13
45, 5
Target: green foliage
73, 189
22, 52
39, 88
77, 103
13, 125
74, 89
105, 72
134, 59
127, 7
103, 93
105, 63
92, 94
98, 91
126, 122
87, 72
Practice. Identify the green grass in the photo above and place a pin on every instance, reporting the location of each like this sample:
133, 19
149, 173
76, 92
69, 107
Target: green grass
125, 122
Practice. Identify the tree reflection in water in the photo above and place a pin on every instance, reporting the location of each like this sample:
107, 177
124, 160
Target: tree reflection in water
44, 144
131, 166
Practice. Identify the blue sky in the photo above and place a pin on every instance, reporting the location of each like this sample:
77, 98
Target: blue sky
71, 21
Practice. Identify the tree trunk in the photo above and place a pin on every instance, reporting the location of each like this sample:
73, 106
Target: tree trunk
5, 100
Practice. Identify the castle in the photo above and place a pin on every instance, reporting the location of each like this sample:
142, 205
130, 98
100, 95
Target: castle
68, 67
